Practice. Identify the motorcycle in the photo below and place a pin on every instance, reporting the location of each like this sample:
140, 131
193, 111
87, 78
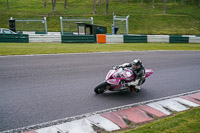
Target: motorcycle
117, 78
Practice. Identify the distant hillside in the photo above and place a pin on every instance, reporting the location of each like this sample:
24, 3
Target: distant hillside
180, 18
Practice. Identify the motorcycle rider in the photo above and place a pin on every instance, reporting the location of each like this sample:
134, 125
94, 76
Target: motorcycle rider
139, 72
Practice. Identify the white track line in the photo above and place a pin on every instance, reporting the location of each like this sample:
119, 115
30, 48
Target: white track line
98, 53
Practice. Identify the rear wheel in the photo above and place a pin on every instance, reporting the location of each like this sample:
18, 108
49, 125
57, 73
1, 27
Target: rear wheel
101, 88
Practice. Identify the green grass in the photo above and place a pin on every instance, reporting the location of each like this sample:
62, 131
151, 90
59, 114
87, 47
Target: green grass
184, 122
54, 48
179, 19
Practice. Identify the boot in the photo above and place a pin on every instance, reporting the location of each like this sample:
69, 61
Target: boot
137, 88
132, 88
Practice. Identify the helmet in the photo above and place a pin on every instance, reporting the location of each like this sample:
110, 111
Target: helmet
137, 62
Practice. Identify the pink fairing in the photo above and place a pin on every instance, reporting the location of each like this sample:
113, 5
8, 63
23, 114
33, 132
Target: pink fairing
115, 76
117, 79
148, 72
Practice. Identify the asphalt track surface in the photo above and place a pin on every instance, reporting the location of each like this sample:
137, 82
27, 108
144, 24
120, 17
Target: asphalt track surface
42, 88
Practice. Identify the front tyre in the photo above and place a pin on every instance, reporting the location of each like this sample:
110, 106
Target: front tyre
101, 88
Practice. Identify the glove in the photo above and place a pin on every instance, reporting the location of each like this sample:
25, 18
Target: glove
125, 85
125, 65
116, 67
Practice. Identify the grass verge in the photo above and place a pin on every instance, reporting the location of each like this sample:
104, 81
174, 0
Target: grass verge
184, 122
58, 48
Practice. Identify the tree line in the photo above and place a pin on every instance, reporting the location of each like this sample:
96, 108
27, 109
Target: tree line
107, 4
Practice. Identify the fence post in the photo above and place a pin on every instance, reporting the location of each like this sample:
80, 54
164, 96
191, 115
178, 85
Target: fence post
45, 23
92, 22
114, 20
127, 24
61, 23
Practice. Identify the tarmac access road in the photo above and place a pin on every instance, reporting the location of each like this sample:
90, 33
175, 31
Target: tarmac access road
41, 88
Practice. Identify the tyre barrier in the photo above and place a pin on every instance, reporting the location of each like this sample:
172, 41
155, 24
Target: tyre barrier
78, 39
56, 37
151, 39
17, 38
135, 38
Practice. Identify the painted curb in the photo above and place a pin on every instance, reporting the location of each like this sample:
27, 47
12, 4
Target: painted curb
118, 117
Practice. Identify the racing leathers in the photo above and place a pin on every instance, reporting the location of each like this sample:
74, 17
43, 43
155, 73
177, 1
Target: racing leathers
139, 74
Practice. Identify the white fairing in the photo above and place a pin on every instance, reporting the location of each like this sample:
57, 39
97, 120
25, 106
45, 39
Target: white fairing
109, 74
129, 74
148, 70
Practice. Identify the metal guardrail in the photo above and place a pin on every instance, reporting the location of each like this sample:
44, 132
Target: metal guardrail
75, 20
43, 21
121, 18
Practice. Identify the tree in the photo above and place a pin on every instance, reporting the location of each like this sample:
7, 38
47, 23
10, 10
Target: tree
100, 2
175, 1
53, 5
199, 3
7, 4
153, 4
44, 4
164, 8
65, 5
182, 2
94, 6
107, 1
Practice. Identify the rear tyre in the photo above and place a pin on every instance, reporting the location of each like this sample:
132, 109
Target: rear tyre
101, 88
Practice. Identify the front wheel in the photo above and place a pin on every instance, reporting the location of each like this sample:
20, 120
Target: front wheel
101, 88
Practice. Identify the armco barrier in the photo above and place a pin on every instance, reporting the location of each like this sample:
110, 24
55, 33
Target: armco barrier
158, 38
47, 38
178, 39
18, 38
56, 37
78, 39
135, 38
194, 39
114, 39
